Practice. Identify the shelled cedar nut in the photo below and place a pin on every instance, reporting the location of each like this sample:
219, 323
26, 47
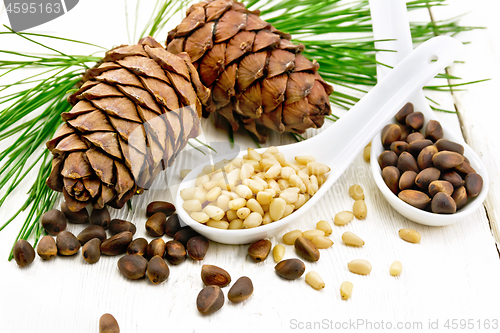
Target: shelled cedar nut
473, 184
460, 197
454, 178
100, 217
390, 133
433, 130
407, 180
415, 198
443, 203
427, 176
290, 269
160, 206
415, 136
132, 266
387, 158
424, 158
157, 270
444, 144
67, 244
241, 290
214, 275
415, 120
197, 247
440, 186
360, 266
47, 248
209, 300
80, 217
108, 324
416, 147
138, 246
116, 244
390, 174
407, 162
185, 234
91, 251
410, 235
398, 147
259, 250
359, 209
306, 249
156, 248
175, 252
172, 225
404, 112
155, 224
53, 221
447, 160
116, 226
92, 231
23, 252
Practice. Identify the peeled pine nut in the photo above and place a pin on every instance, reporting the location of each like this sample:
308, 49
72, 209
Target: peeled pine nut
243, 191
236, 224
223, 202
221, 164
360, 266
283, 184
254, 186
356, 192
266, 219
231, 215
267, 163
316, 168
304, 159
253, 155
321, 179
200, 217
184, 173
359, 209
310, 234
243, 213
253, 220
346, 290
214, 212
278, 252
325, 227
192, 205
314, 280
286, 172
272, 150
218, 224
237, 162
277, 208
274, 185
200, 194
395, 268
246, 171
255, 206
343, 218
314, 185
213, 194
202, 178
301, 200
188, 193
290, 195
288, 210
290, 237
322, 242
210, 185
237, 203
208, 169
281, 158
264, 198
351, 239
366, 153
410, 235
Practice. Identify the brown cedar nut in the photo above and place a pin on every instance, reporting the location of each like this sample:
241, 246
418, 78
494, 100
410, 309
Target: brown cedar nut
155, 225
160, 206
214, 275
108, 324
433, 130
100, 217
47, 248
442, 203
241, 290
444, 144
53, 221
390, 133
306, 249
132, 266
116, 226
80, 217
155, 248
414, 198
440, 186
460, 197
404, 112
259, 250
407, 162
23, 252
185, 234
67, 244
473, 184
415, 136
116, 244
407, 180
415, 147
290, 269
405, 131
415, 120
138, 246
197, 247
399, 146
210, 299
447, 160
387, 158
424, 159
427, 176
92, 231
91, 251
157, 270
453, 177
172, 225
465, 168
175, 252
390, 175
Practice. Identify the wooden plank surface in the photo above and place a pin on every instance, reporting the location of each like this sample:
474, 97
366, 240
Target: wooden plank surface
452, 274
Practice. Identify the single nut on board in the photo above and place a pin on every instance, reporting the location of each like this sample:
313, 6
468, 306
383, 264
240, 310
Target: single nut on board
108, 324
259, 250
241, 290
360, 266
346, 290
396, 268
351, 239
213, 275
290, 269
24, 254
410, 235
210, 299
46, 248
278, 252
306, 249
314, 280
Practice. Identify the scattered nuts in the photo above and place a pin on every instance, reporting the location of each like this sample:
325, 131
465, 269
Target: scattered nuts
155, 225
92, 231
157, 270
278, 252
343, 218
100, 217
53, 221
314, 280
410, 235
290, 269
108, 324
175, 252
138, 246
322, 242
325, 227
67, 244
290, 237
306, 249
310, 234
160, 206
172, 225
197, 247
351, 239
346, 290
155, 248
395, 268
356, 192
46, 248
359, 209
116, 226
116, 244
24, 254
91, 251
80, 217
210, 299
241, 290
360, 266
132, 266
184, 235
259, 250
213, 275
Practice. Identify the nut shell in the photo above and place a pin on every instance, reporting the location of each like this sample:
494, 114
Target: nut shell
210, 299
213, 275
259, 250
116, 244
415, 198
92, 231
132, 266
175, 252
443, 203
390, 175
290, 269
53, 221
116, 226
23, 252
160, 206
447, 160
241, 290
47, 248
433, 130
138, 246
67, 244
100, 217
80, 217
306, 249
108, 324
406, 162
197, 247
155, 225
473, 184
91, 251
157, 270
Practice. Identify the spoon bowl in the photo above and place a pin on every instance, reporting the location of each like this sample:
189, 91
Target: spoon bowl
390, 23
344, 139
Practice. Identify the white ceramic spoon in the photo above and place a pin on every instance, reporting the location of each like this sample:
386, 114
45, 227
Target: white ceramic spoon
338, 145
390, 21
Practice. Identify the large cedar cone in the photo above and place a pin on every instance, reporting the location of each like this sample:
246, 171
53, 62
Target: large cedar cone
134, 113
257, 76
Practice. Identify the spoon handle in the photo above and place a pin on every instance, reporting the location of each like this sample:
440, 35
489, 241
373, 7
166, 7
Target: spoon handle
357, 127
